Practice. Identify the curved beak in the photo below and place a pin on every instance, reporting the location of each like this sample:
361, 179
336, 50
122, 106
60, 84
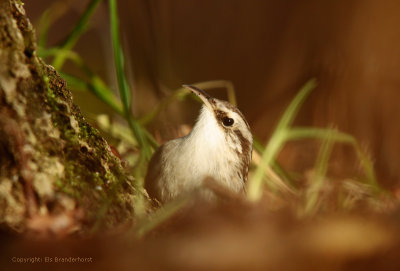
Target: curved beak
204, 96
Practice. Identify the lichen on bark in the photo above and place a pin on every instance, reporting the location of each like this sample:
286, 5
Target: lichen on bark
52, 162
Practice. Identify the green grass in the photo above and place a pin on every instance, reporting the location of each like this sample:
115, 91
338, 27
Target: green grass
125, 92
81, 27
267, 175
95, 84
277, 141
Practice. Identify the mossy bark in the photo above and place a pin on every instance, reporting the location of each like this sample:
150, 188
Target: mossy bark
54, 166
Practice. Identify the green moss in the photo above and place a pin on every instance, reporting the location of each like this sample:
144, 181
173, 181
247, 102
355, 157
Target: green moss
85, 130
88, 181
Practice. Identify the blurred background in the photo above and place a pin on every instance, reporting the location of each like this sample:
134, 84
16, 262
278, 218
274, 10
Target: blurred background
268, 50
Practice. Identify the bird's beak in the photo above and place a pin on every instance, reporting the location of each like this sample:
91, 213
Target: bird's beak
204, 96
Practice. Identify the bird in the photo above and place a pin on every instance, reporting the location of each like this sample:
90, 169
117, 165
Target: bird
219, 147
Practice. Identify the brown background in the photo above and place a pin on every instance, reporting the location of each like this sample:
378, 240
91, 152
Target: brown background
268, 49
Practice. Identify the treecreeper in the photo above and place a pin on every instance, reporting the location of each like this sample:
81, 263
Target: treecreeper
218, 147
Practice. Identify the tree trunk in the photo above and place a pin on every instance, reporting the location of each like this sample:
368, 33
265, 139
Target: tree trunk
56, 172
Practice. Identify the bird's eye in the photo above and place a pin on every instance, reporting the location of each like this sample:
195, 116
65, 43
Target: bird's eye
227, 121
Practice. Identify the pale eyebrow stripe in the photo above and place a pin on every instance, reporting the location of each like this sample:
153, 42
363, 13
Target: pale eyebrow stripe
236, 110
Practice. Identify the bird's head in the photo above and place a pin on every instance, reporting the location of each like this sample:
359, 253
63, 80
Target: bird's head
229, 120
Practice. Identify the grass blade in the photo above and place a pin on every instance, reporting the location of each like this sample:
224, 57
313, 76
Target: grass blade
299, 133
56, 10
321, 168
97, 87
138, 131
291, 112
228, 85
119, 57
44, 25
160, 215
324, 134
75, 34
123, 86
278, 138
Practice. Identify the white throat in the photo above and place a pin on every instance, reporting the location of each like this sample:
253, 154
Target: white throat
205, 152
